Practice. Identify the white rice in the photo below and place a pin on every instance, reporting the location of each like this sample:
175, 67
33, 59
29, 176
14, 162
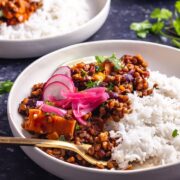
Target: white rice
147, 132
56, 17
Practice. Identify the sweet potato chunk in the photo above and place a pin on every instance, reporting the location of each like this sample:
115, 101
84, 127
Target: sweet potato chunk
39, 123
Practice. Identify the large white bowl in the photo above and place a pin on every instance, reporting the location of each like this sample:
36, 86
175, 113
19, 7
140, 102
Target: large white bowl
41, 46
162, 58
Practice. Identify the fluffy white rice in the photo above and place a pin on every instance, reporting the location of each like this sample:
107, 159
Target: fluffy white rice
147, 132
54, 18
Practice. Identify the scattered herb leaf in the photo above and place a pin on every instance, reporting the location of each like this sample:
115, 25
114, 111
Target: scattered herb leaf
91, 84
142, 34
176, 43
176, 24
157, 27
117, 62
5, 86
162, 22
77, 127
99, 68
161, 14
177, 6
175, 133
49, 103
145, 25
100, 59
83, 73
111, 86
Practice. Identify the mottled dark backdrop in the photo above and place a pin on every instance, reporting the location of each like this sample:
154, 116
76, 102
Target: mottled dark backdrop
14, 164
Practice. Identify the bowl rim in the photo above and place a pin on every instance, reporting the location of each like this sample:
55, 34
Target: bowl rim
105, 8
78, 167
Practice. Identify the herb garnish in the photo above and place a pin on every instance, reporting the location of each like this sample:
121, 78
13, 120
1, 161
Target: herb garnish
83, 73
117, 62
100, 59
5, 86
142, 28
111, 86
49, 103
175, 133
77, 127
163, 22
91, 84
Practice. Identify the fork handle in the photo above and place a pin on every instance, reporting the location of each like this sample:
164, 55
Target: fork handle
38, 143
21, 141
80, 149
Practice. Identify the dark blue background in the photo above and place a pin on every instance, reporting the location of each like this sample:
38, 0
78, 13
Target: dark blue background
14, 164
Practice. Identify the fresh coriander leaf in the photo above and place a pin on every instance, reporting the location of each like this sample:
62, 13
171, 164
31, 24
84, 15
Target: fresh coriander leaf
117, 62
176, 43
161, 14
176, 24
143, 34
175, 133
177, 6
169, 29
110, 87
100, 59
49, 103
91, 84
5, 86
141, 26
62, 138
83, 73
99, 68
157, 27
77, 127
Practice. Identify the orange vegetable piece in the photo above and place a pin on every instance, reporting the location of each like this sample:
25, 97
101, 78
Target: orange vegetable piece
39, 123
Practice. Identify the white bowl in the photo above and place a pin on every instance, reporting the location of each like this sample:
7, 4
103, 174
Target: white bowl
38, 47
162, 58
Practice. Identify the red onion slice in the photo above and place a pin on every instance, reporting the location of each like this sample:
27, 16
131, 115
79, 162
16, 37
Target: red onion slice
64, 70
62, 79
52, 92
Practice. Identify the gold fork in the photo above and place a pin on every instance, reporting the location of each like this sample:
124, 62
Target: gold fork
43, 143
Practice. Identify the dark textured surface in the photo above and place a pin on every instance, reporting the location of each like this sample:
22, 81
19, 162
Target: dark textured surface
14, 164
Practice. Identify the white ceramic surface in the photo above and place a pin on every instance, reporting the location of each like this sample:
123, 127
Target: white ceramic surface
163, 58
38, 47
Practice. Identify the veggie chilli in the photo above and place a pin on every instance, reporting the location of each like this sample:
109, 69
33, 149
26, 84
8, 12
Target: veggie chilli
14, 12
76, 103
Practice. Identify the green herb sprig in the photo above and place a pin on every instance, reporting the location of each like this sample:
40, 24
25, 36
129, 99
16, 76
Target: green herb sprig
91, 84
77, 127
117, 62
5, 86
175, 133
162, 22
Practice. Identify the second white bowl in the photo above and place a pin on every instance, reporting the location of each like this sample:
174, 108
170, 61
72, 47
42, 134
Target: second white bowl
38, 47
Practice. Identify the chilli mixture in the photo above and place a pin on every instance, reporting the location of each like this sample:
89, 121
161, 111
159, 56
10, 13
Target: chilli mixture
77, 109
14, 12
